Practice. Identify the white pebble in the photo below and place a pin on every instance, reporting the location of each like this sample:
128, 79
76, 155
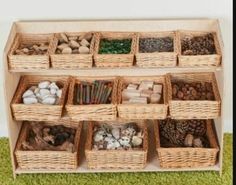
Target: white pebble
53, 91
29, 100
116, 133
44, 85
44, 92
98, 137
59, 93
36, 91
49, 101
27, 93
53, 85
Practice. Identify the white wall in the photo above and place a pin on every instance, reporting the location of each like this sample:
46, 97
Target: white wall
11, 10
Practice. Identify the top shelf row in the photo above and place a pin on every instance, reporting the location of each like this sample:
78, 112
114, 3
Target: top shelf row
83, 50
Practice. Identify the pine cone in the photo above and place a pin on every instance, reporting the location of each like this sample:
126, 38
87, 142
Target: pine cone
197, 127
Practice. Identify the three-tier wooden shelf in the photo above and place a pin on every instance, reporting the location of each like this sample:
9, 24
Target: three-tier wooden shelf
11, 77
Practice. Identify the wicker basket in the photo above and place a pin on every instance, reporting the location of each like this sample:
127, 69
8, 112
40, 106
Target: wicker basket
114, 60
93, 112
116, 159
38, 112
72, 61
213, 60
22, 62
193, 109
157, 59
188, 157
48, 160
142, 111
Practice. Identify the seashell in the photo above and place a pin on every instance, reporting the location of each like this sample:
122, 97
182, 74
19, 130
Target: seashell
116, 133
83, 50
64, 37
136, 141
74, 44
27, 93
25, 50
43, 85
62, 46
59, 93
188, 141
67, 50
84, 42
113, 145
44, 92
197, 143
29, 100
49, 101
98, 137
125, 141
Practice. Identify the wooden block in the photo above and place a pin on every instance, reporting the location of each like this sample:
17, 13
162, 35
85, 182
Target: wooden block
138, 100
146, 93
146, 85
132, 86
155, 98
157, 88
129, 93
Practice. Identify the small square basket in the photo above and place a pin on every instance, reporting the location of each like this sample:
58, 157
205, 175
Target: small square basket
27, 62
114, 60
188, 157
72, 61
142, 111
38, 112
157, 59
48, 160
193, 109
92, 112
213, 60
116, 159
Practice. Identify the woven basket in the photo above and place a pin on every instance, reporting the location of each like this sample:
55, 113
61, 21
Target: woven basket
48, 160
193, 109
116, 159
93, 112
189, 157
156, 59
38, 112
198, 60
72, 61
114, 60
142, 111
22, 62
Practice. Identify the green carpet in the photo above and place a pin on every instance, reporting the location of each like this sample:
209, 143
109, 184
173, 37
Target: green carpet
163, 178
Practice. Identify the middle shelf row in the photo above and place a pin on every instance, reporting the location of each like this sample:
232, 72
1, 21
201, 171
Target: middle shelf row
179, 95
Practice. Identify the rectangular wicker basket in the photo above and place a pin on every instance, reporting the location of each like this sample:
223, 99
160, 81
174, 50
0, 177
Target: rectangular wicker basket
48, 160
194, 109
72, 61
93, 112
157, 59
116, 159
188, 157
38, 112
22, 62
142, 111
114, 60
213, 60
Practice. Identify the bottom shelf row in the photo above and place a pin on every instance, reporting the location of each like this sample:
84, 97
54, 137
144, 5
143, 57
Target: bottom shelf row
117, 145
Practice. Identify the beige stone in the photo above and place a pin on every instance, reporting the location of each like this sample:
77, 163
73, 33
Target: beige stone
83, 50
67, 50
84, 42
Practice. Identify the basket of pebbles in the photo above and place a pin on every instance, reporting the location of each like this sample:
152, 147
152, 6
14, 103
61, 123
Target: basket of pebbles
48, 145
73, 50
198, 49
30, 51
40, 98
156, 49
186, 143
114, 49
116, 145
142, 97
193, 96
92, 98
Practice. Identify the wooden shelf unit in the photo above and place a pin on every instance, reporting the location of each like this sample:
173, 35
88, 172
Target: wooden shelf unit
11, 77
